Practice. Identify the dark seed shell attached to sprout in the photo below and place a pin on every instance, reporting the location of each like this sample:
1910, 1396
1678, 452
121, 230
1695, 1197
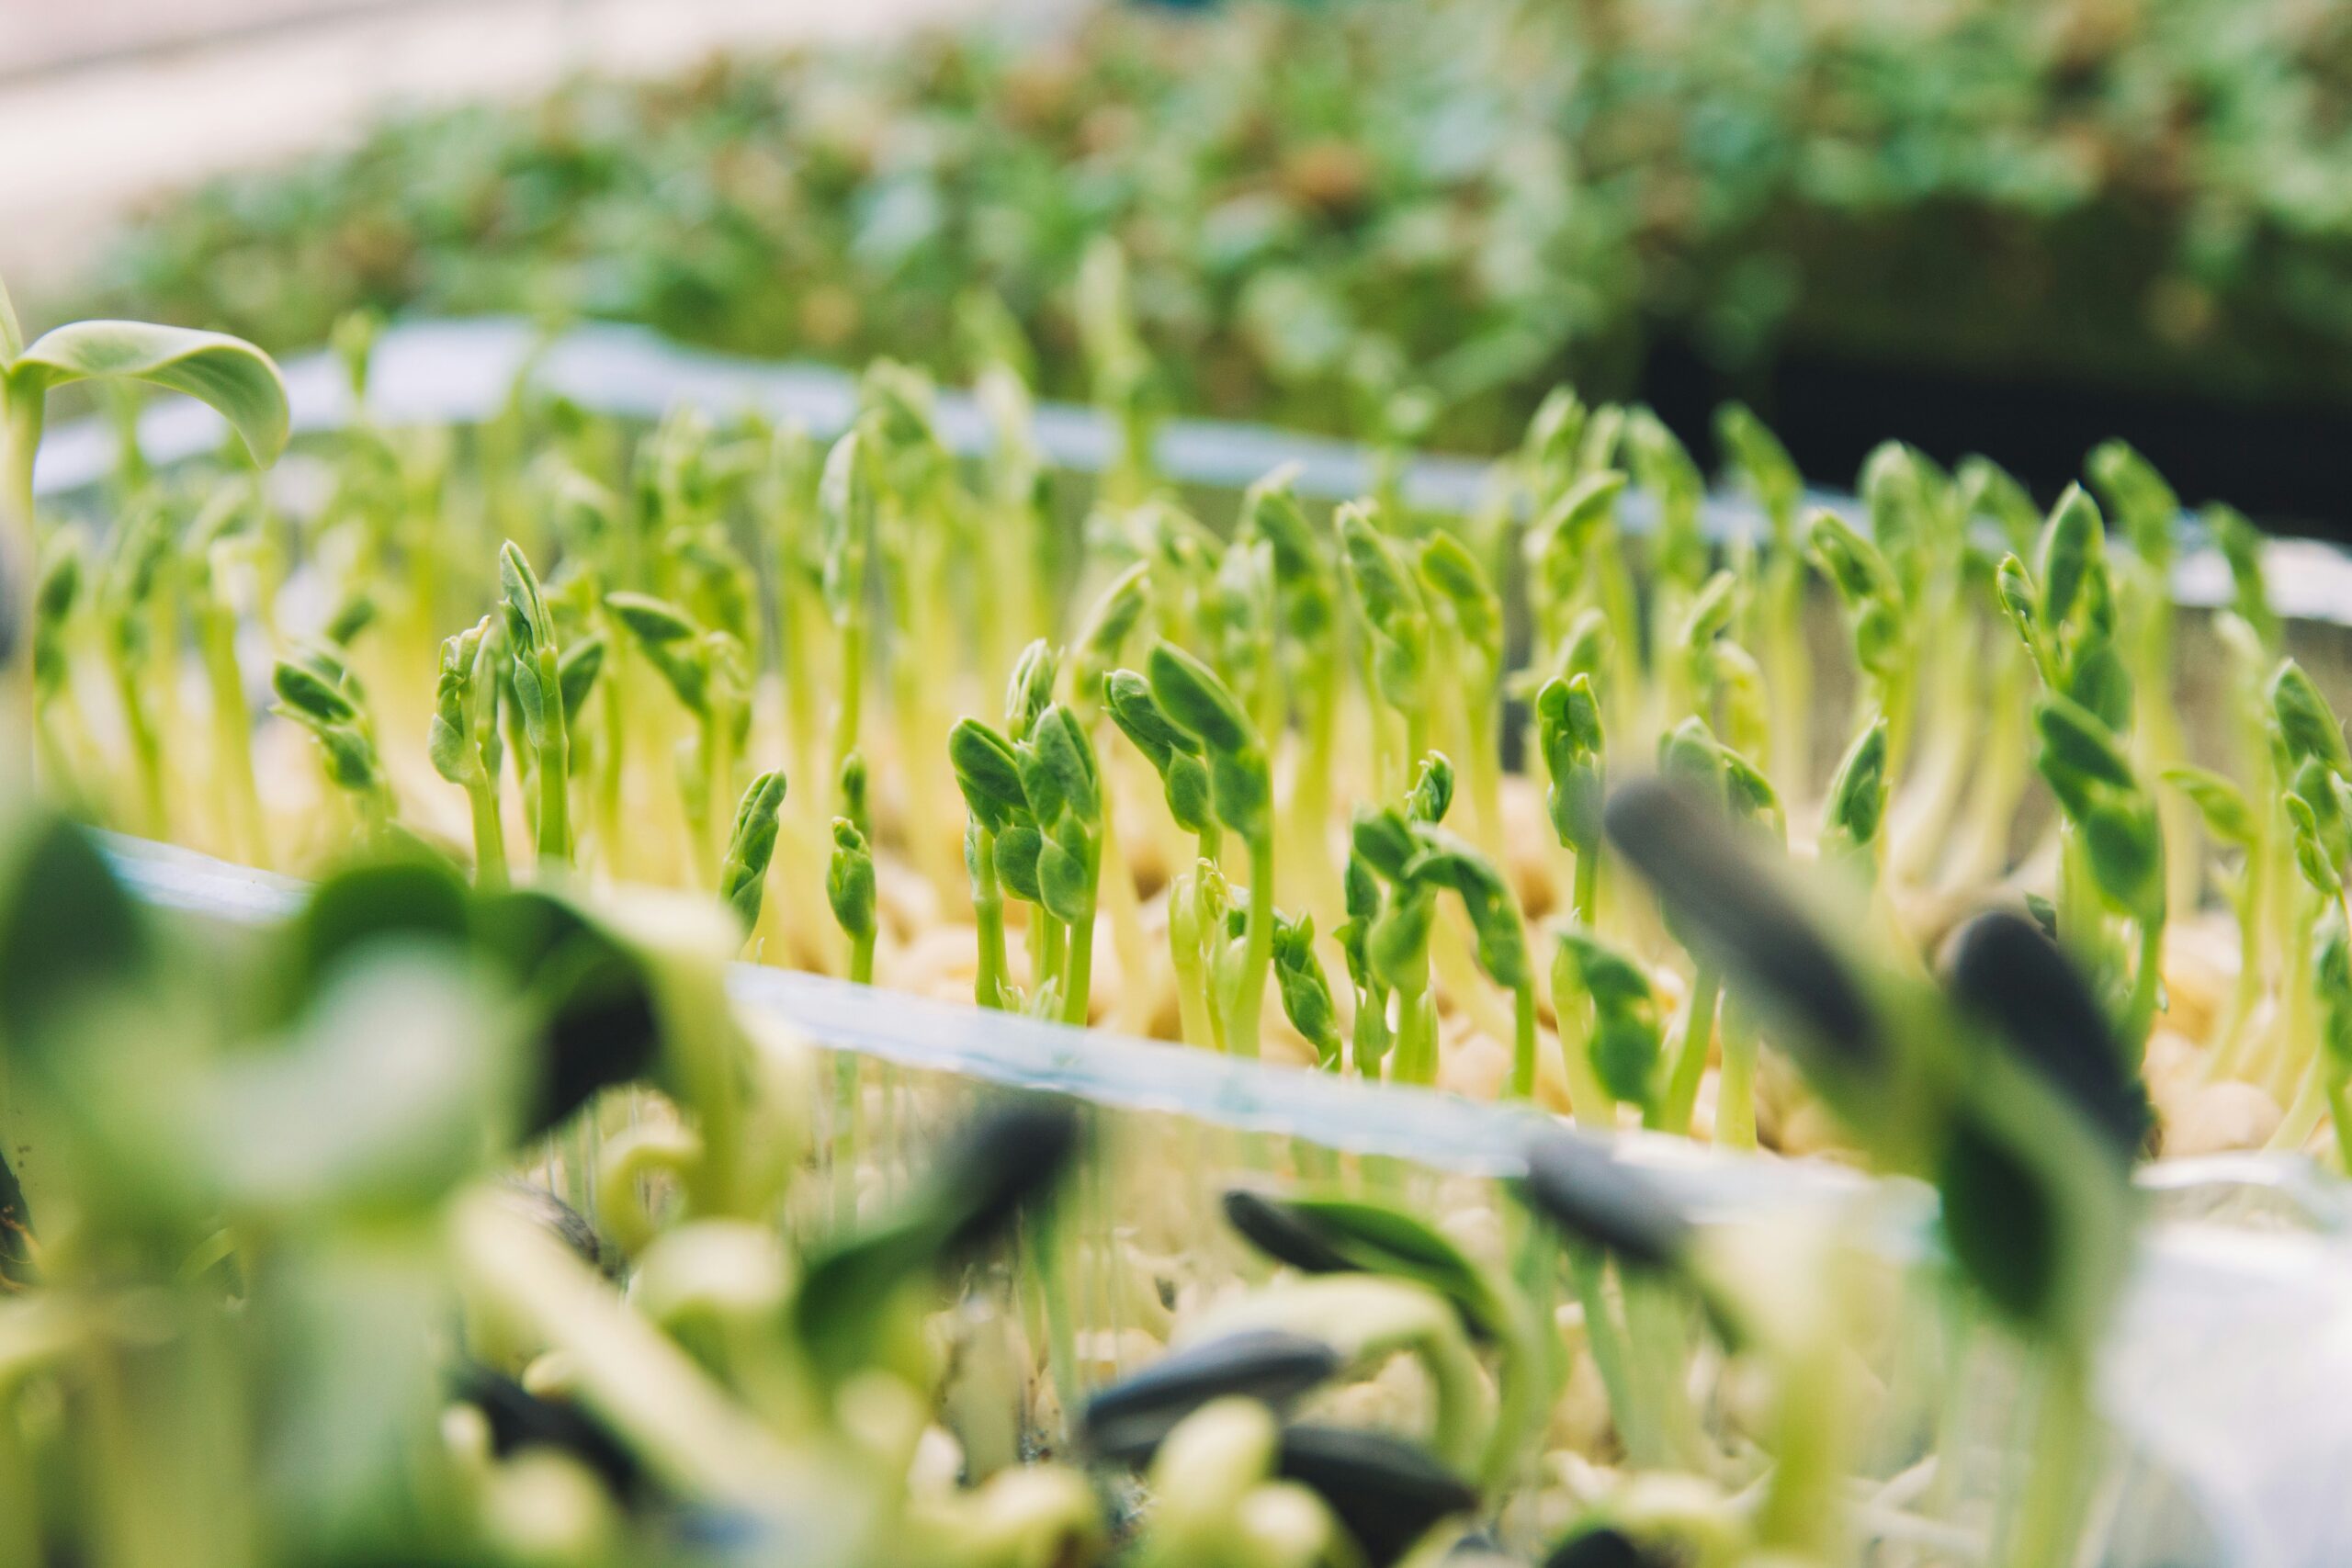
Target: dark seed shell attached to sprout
561, 1220
1385, 1491
520, 1419
1007, 1157
2006, 973
1602, 1548
69, 932
1126, 1420
602, 1026
16, 1231
1708, 876
1583, 1189
1277, 1230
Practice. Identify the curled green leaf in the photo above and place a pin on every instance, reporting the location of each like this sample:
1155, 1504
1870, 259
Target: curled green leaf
742, 876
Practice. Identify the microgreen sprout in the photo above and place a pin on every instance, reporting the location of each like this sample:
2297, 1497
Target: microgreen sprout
237, 379
742, 876
464, 747
536, 670
316, 690
1240, 790
1568, 733
849, 888
1306, 993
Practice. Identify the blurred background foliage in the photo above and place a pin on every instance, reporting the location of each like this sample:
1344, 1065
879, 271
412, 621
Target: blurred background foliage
1970, 223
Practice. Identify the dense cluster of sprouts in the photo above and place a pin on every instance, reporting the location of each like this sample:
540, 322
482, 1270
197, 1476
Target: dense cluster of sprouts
277, 1295
255, 1245
1324, 788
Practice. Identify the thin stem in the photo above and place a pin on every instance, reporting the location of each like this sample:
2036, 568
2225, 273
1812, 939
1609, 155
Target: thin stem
1077, 970
490, 831
1588, 1102
1736, 1087
849, 1116
1257, 952
612, 762
20, 425
853, 688
1584, 904
2229, 1035
1636, 1426
988, 914
1196, 1018
1671, 1112
146, 751
718, 752
1522, 1060
2054, 1482
554, 767
1049, 939
1415, 1052
2140, 1011
233, 734
1128, 940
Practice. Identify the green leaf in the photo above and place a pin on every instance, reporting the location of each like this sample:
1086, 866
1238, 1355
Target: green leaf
849, 881
529, 628
1306, 993
2071, 553
2310, 849
989, 774
1710, 613
2306, 723
1432, 793
1627, 1035
1031, 687
1771, 473
2020, 601
237, 379
1066, 880
1444, 859
1064, 756
70, 934
846, 504
1383, 840
395, 1087
308, 695
671, 642
2074, 739
2219, 801
411, 900
742, 874
1453, 574
1018, 846
1857, 798
1568, 734
2138, 497
1112, 619
2101, 683
2126, 853
1194, 699
2039, 1004
599, 1024
576, 673
1852, 563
